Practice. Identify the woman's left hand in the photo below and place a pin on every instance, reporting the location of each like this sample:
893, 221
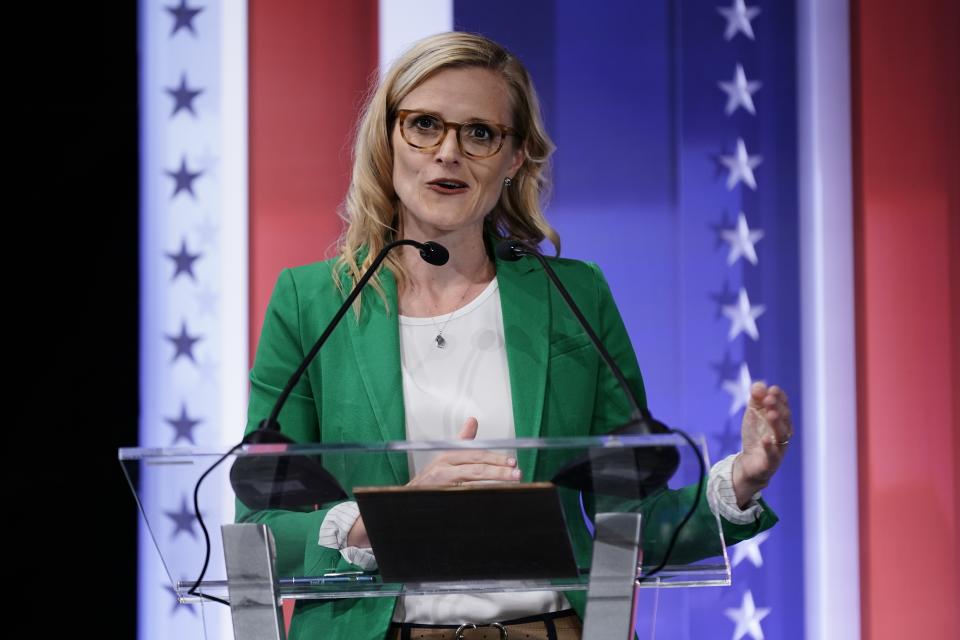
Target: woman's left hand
765, 433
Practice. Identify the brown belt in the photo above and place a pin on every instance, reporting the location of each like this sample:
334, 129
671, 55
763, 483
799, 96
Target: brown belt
563, 625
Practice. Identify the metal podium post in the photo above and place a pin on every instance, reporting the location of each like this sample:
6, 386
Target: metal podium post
613, 576
251, 559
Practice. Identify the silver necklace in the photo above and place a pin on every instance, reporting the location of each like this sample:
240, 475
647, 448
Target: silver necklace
439, 339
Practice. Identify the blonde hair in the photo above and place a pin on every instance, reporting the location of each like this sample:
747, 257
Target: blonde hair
371, 206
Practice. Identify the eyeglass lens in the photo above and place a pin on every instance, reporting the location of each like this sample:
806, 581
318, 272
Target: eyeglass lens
476, 138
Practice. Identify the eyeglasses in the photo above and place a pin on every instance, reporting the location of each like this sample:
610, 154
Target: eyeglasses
426, 131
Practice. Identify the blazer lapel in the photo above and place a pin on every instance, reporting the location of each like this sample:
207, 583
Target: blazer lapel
524, 301
376, 345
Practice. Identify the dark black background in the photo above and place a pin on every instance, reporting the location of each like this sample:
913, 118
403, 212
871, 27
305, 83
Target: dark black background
72, 256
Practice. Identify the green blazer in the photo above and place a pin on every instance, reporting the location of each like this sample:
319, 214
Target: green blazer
353, 392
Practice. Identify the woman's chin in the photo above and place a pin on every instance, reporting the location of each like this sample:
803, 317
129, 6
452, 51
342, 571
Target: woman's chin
446, 223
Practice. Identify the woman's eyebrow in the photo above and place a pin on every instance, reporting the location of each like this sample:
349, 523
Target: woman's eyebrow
437, 114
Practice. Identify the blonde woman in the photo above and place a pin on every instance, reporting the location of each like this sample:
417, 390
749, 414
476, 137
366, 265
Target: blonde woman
451, 147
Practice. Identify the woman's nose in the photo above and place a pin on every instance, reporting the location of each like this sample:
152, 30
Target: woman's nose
449, 149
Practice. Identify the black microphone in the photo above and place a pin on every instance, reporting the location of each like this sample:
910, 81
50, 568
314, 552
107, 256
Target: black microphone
291, 481
651, 468
435, 254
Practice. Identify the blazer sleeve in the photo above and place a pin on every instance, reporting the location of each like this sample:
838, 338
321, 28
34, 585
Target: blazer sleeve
279, 352
663, 510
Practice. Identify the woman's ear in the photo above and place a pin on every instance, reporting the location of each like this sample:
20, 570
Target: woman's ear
518, 158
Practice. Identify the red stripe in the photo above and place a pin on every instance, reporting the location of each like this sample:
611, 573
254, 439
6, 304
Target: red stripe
907, 212
309, 65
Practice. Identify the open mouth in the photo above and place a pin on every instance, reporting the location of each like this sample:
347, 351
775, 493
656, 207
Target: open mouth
448, 185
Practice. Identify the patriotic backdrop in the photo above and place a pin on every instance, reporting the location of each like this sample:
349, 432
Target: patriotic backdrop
698, 163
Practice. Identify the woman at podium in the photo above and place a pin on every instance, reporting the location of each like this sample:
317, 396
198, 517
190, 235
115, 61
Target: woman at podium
451, 147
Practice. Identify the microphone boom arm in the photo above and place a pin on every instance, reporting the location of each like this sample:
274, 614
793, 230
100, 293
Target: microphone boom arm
432, 252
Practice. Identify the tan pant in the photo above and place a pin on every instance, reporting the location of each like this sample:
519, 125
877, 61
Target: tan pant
567, 628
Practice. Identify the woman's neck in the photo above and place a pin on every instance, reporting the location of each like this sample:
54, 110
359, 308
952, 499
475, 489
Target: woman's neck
431, 289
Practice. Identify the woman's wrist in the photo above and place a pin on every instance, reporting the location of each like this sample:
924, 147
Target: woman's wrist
745, 487
357, 537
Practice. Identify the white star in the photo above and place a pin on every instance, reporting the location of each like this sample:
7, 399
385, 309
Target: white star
740, 92
743, 317
739, 389
748, 618
741, 166
738, 17
750, 549
742, 241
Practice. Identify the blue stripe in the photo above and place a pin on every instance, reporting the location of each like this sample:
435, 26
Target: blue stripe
631, 98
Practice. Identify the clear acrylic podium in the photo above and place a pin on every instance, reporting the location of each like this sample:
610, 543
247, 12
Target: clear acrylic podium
615, 538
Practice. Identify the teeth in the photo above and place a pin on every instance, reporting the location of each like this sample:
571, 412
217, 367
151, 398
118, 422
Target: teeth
450, 185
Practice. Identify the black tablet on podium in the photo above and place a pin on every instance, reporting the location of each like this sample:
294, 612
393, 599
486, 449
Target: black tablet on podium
477, 531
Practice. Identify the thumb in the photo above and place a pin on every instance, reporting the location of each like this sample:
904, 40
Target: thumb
469, 429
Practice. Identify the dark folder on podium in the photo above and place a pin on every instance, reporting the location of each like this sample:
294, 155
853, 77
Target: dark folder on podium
483, 531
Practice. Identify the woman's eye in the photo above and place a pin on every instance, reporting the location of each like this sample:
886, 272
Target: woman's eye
479, 131
425, 122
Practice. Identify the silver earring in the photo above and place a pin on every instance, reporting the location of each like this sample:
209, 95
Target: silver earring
507, 182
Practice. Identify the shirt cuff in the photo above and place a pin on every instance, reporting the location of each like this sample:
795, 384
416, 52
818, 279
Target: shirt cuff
723, 499
334, 531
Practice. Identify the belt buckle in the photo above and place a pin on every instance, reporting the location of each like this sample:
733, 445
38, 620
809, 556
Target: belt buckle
469, 625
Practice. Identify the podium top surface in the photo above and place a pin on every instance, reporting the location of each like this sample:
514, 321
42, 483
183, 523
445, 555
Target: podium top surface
581, 442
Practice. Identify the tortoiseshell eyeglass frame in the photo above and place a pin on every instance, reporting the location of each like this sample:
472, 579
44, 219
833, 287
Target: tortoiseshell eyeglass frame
457, 127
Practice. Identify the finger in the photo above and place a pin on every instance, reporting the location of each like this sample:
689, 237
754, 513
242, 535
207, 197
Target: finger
780, 437
785, 417
476, 456
473, 472
779, 421
773, 448
780, 430
439, 474
781, 400
783, 408
777, 390
783, 404
757, 392
776, 408
469, 429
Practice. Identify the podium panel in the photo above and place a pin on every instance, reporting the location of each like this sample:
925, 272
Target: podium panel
546, 522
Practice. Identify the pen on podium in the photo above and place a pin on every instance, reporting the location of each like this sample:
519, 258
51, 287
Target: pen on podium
326, 579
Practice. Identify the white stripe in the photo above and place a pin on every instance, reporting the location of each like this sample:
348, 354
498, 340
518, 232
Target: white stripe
233, 220
403, 22
723, 499
829, 436
337, 523
214, 142
328, 540
234, 360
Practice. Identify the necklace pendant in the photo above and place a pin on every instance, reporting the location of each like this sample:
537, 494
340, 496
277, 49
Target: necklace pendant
441, 343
